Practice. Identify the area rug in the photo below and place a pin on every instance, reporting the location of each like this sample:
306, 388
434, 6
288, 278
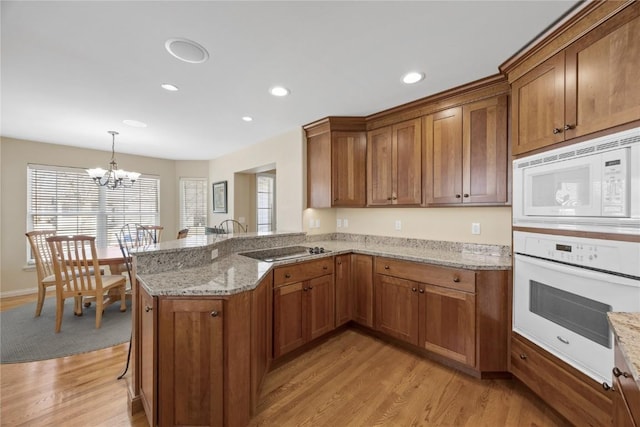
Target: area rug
24, 338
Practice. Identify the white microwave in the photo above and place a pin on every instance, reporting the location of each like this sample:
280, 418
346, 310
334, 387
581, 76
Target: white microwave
588, 186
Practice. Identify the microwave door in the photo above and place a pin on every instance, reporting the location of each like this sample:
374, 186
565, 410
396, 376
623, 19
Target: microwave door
569, 188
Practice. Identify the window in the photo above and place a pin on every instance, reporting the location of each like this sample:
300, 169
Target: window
68, 201
266, 191
193, 204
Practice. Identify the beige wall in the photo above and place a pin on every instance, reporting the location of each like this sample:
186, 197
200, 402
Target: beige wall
285, 152
16, 154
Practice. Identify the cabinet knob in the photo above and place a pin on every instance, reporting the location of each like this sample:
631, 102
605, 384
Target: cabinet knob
287, 275
557, 131
305, 289
388, 198
457, 196
214, 313
569, 127
606, 386
422, 291
413, 289
339, 263
394, 198
466, 195
386, 267
310, 287
617, 372
147, 308
523, 356
456, 279
324, 267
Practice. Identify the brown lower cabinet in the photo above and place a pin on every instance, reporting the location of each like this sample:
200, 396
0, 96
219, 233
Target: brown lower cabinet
574, 395
302, 310
190, 371
435, 308
344, 289
626, 397
362, 283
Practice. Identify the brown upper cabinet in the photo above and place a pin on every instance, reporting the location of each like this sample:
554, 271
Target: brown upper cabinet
394, 164
591, 85
336, 161
466, 154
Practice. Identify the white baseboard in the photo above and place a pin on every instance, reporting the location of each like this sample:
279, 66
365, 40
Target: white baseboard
18, 293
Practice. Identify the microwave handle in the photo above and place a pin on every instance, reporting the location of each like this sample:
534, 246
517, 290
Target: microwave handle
577, 271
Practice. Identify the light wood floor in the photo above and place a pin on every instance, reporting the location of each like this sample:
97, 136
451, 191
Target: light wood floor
350, 380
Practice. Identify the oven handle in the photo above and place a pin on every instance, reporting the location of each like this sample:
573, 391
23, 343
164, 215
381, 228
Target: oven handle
577, 271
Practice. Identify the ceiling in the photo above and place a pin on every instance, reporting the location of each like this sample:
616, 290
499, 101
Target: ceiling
71, 71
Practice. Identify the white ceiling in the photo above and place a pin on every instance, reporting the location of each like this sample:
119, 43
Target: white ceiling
71, 71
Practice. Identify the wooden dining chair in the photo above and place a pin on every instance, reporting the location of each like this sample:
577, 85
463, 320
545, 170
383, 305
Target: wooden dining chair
153, 230
183, 233
78, 254
44, 266
232, 226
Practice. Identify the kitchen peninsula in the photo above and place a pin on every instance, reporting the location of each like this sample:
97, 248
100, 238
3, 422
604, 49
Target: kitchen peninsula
209, 322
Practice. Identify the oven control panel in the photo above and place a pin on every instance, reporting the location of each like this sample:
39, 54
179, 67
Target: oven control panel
607, 255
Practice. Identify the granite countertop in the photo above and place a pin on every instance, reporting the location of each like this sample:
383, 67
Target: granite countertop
234, 273
626, 326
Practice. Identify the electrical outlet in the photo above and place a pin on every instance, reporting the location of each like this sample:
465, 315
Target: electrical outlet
317, 223
312, 223
398, 224
345, 223
214, 253
475, 228
339, 223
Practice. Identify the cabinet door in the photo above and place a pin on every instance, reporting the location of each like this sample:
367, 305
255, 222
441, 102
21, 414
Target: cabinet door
320, 306
289, 317
406, 170
348, 163
379, 167
603, 75
344, 290
148, 354
191, 360
397, 308
538, 106
444, 157
319, 171
362, 274
484, 145
448, 323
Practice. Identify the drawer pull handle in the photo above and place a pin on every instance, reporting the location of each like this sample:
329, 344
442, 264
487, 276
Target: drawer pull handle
617, 372
422, 291
214, 313
606, 386
557, 131
339, 262
456, 279
465, 195
523, 356
324, 267
305, 289
287, 276
413, 289
386, 267
457, 196
562, 340
148, 309
310, 287
568, 127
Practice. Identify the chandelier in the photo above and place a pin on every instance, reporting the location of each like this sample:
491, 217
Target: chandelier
114, 177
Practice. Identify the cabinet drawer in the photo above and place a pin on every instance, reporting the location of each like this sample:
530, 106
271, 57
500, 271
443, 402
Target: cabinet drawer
462, 280
574, 395
302, 271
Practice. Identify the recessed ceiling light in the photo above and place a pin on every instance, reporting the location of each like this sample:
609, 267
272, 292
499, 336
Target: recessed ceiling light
247, 118
169, 87
134, 123
186, 50
412, 77
279, 91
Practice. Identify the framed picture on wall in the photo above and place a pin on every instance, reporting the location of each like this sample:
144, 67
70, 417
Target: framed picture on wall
220, 197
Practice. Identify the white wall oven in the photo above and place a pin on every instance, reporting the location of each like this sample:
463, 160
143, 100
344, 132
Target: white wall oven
563, 288
590, 186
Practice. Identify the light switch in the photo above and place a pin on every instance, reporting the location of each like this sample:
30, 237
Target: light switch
345, 223
312, 223
317, 223
339, 223
475, 228
398, 224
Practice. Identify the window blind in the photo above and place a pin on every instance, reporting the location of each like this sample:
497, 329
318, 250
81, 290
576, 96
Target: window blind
193, 205
67, 200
